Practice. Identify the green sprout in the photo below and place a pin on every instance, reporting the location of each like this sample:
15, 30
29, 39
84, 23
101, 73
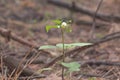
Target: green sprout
64, 26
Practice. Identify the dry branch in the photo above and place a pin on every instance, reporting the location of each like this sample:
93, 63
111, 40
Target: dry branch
94, 62
10, 35
89, 23
12, 64
6, 33
30, 78
101, 16
10, 61
92, 32
80, 49
87, 75
20, 23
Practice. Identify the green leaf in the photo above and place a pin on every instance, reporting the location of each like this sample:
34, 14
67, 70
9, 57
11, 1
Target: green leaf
72, 45
48, 27
47, 47
80, 44
66, 46
72, 66
57, 22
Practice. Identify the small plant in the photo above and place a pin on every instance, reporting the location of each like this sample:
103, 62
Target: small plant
64, 26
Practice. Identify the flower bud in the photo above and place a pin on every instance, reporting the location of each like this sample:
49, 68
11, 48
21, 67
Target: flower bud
64, 24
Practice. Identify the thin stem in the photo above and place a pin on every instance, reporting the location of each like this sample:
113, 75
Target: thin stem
92, 36
62, 32
2, 67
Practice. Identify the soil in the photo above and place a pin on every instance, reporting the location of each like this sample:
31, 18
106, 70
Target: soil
28, 18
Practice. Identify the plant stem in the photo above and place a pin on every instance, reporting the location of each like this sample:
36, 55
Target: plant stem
63, 51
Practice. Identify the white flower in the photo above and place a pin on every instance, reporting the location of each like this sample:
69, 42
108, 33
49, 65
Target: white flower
58, 26
64, 24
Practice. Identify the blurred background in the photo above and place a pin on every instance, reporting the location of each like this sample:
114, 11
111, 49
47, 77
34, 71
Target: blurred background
28, 18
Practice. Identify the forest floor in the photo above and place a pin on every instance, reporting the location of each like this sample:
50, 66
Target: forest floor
27, 19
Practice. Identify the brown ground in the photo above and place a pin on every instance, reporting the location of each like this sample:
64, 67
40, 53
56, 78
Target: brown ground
28, 18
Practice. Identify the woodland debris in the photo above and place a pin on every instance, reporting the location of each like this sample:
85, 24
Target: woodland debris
106, 38
7, 34
100, 16
12, 64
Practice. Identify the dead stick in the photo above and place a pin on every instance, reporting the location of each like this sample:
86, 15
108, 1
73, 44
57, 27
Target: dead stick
31, 78
89, 23
80, 49
87, 75
97, 62
13, 63
8, 34
4, 33
101, 16
92, 36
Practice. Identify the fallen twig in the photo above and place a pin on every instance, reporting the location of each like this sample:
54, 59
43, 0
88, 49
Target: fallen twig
80, 49
32, 77
23, 24
95, 62
92, 32
13, 63
101, 16
87, 75
6, 33
10, 35
89, 23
